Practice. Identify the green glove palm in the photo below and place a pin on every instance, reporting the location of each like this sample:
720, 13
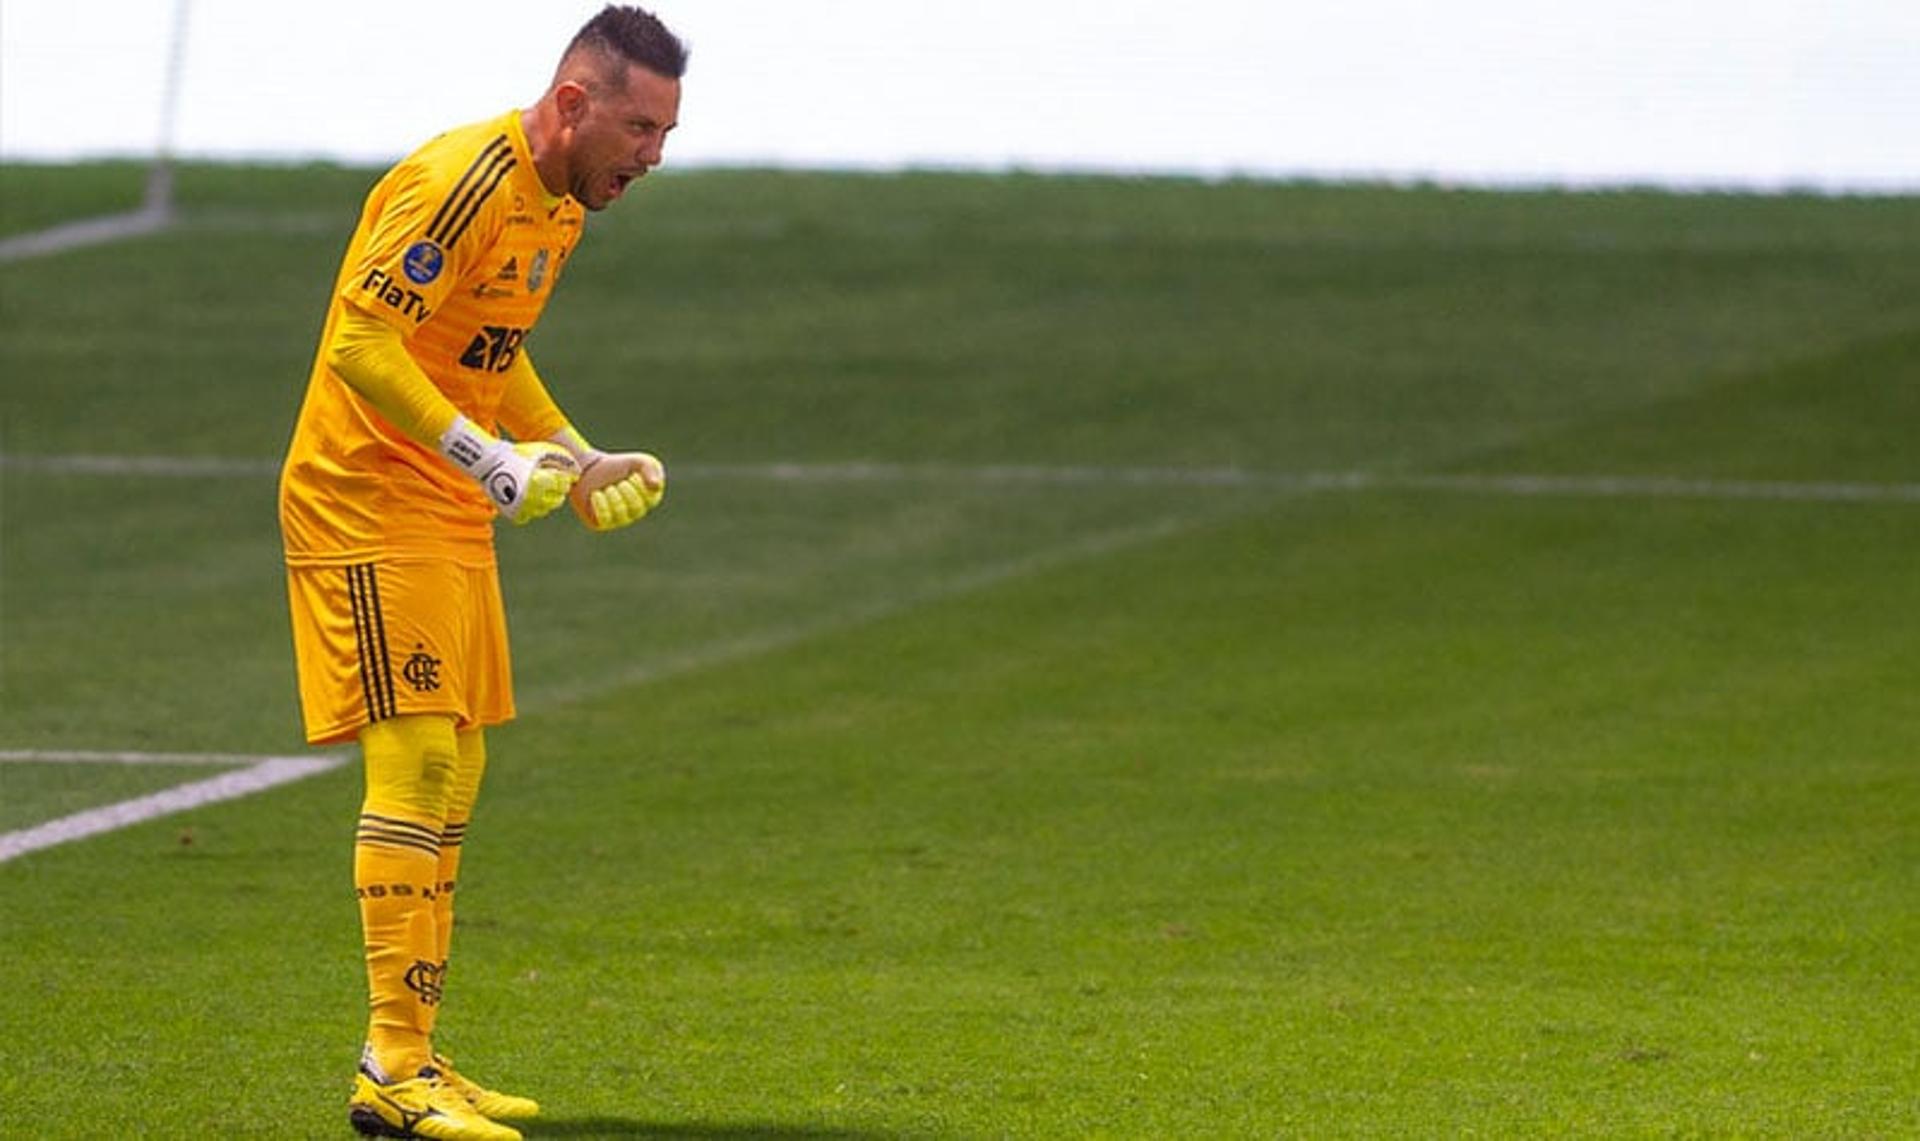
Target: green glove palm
617, 490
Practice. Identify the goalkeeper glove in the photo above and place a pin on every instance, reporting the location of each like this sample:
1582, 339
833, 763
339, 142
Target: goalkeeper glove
524, 481
617, 490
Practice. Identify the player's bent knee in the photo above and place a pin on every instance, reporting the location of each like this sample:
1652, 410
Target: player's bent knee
411, 762
473, 766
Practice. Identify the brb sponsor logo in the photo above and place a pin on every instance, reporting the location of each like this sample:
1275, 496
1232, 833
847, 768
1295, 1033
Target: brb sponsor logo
494, 348
393, 295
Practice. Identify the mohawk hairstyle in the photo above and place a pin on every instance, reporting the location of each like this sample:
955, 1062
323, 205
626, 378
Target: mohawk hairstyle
635, 35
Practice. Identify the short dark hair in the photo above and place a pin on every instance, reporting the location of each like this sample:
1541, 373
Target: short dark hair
635, 35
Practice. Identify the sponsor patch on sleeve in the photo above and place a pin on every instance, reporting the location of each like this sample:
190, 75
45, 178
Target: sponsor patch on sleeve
423, 262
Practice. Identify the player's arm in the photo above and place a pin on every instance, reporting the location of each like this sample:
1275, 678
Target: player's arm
615, 489
524, 481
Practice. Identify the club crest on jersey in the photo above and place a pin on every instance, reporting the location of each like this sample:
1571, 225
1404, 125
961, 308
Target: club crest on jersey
423, 262
537, 272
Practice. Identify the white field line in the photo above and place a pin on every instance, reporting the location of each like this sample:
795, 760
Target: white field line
165, 467
110, 757
1038, 475
1660, 487
78, 235
260, 774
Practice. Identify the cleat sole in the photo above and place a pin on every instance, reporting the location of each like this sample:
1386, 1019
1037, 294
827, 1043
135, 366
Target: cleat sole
370, 1124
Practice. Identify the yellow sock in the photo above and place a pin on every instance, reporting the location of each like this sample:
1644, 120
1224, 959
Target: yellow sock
398, 849
448, 874
471, 749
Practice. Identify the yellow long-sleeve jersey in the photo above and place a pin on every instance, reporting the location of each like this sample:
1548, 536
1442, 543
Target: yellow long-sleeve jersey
457, 250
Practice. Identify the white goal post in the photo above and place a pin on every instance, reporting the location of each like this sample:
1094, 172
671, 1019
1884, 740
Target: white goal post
158, 201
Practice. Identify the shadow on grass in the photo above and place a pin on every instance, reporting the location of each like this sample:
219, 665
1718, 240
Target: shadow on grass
615, 1127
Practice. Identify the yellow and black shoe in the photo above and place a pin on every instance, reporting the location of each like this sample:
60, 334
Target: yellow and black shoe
424, 1106
489, 1103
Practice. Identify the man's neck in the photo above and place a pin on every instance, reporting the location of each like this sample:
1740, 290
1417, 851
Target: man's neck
541, 125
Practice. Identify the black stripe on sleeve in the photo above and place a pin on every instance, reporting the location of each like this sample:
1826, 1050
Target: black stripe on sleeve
466, 220
491, 152
458, 212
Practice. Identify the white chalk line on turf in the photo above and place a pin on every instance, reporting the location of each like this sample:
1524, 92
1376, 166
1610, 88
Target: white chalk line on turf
79, 235
260, 774
1045, 475
118, 757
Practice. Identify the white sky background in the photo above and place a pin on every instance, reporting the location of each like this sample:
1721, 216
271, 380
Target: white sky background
1763, 94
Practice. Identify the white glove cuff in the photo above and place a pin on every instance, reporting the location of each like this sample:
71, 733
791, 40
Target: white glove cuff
470, 449
501, 471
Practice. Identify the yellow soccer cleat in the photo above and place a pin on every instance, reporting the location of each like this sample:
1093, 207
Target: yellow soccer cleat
426, 1106
489, 1103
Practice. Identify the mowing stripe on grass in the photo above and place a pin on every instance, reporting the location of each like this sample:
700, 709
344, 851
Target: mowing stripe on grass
261, 773
1046, 475
871, 609
269, 772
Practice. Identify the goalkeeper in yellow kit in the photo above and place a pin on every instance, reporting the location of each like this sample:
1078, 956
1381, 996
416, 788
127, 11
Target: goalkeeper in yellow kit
396, 473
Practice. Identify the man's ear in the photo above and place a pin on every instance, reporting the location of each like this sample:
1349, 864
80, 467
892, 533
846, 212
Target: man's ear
570, 98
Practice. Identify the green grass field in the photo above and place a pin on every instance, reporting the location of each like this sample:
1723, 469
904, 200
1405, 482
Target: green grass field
1097, 674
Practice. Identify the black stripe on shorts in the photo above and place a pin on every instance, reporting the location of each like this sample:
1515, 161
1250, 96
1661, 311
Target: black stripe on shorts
370, 634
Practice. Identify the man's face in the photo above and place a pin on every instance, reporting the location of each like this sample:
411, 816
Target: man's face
619, 135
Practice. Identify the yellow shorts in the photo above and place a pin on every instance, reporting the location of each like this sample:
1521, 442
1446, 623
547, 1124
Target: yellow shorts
376, 640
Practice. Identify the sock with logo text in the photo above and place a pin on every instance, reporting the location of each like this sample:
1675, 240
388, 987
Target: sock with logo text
471, 750
397, 871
